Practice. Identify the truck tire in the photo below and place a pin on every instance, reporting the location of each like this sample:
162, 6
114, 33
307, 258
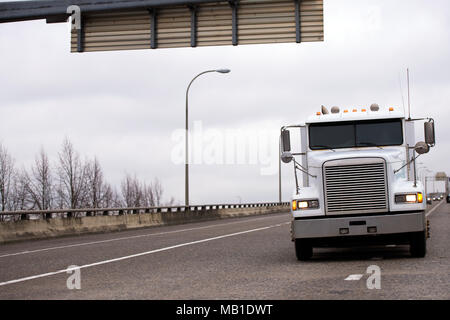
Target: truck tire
418, 244
303, 250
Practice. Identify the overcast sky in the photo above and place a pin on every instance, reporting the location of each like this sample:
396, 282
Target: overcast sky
126, 107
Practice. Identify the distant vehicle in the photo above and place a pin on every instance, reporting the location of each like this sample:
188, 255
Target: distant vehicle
434, 198
359, 181
448, 198
429, 201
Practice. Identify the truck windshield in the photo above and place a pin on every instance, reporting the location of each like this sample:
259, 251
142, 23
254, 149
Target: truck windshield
372, 133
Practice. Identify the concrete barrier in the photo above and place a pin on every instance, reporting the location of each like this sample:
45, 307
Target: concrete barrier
57, 227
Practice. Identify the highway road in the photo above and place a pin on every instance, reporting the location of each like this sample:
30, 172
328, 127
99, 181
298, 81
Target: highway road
244, 258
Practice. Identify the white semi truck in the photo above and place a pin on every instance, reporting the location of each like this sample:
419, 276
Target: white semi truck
359, 183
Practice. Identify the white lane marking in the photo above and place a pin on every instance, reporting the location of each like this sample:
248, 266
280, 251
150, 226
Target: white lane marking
140, 254
131, 237
354, 277
431, 211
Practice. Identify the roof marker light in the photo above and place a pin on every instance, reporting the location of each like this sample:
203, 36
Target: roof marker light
364, 110
391, 109
354, 110
345, 111
318, 113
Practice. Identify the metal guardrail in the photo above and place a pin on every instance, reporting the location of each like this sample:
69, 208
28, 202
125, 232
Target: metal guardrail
48, 214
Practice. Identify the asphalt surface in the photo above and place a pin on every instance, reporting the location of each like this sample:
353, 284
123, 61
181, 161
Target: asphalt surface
245, 258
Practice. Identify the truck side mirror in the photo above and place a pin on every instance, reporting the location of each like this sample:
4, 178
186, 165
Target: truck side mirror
422, 147
286, 157
285, 141
429, 133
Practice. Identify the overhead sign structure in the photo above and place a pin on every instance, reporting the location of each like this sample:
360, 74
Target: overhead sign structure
205, 24
105, 25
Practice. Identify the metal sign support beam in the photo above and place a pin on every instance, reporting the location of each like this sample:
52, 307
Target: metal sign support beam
298, 34
80, 37
193, 25
234, 6
153, 31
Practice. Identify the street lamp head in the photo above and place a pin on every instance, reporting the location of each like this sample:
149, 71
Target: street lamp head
223, 70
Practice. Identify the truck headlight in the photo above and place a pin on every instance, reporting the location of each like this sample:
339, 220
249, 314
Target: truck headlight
409, 198
305, 204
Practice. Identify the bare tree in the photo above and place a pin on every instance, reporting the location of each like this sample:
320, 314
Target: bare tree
149, 195
59, 200
132, 192
172, 202
111, 198
97, 189
126, 187
72, 177
6, 178
139, 194
157, 191
76, 185
40, 182
20, 197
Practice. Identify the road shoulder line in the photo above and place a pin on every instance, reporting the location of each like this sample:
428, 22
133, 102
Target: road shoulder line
432, 210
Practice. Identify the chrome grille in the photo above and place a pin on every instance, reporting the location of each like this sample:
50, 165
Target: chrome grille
355, 186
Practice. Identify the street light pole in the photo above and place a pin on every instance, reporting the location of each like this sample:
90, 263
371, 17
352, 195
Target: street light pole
186, 186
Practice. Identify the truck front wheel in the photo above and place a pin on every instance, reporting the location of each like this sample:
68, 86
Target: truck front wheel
418, 244
303, 249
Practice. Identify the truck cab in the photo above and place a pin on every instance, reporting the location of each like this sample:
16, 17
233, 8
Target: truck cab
359, 184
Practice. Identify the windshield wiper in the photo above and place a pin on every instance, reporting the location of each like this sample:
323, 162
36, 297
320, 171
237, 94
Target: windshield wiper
370, 144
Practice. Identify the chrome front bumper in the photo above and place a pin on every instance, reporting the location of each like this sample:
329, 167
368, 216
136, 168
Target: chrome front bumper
327, 226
